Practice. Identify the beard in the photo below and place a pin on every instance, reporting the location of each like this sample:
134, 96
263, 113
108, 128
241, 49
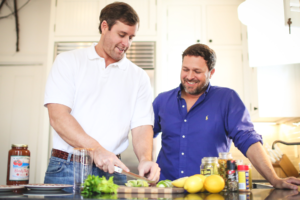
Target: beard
198, 90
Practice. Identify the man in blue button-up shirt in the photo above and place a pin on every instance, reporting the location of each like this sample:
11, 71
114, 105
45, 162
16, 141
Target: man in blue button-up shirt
199, 120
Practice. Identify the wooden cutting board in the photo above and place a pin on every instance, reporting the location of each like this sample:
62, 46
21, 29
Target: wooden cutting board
149, 190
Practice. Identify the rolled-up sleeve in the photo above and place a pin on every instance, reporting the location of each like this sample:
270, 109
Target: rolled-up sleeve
157, 127
238, 124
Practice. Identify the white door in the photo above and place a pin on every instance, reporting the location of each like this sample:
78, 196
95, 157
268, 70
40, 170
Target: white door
20, 114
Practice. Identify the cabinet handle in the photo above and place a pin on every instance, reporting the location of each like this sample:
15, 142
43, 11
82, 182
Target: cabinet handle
255, 108
198, 40
210, 40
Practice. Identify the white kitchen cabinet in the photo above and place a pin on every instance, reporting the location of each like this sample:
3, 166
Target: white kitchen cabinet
229, 70
278, 91
81, 18
77, 18
223, 26
146, 9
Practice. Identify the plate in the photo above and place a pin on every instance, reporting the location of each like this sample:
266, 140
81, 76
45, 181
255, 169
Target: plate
47, 186
46, 193
5, 188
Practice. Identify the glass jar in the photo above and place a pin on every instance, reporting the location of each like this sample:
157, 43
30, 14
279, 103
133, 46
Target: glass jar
18, 165
250, 175
209, 166
223, 158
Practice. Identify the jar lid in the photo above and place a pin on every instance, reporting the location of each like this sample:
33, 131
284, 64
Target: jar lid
210, 160
19, 145
225, 155
231, 165
243, 167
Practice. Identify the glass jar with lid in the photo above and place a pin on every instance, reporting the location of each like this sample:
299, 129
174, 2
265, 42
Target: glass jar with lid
209, 166
18, 165
223, 158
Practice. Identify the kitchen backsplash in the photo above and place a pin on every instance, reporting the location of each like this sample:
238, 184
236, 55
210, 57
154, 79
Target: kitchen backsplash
288, 132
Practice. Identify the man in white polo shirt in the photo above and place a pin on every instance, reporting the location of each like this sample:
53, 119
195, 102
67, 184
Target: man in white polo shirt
95, 96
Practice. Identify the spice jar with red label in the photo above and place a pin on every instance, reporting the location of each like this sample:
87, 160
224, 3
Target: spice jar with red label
18, 165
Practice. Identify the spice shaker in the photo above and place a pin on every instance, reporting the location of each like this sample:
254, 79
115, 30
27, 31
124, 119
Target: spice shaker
232, 184
243, 173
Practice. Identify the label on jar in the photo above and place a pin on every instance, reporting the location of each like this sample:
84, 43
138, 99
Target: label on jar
243, 180
19, 168
206, 172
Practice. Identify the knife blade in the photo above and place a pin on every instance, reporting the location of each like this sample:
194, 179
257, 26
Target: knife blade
130, 174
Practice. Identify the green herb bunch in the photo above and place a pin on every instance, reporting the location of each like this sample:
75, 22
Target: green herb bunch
99, 185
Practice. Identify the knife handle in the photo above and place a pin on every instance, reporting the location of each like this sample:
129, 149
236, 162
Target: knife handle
118, 169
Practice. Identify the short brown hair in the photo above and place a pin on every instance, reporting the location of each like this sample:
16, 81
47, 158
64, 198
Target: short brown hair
118, 11
204, 51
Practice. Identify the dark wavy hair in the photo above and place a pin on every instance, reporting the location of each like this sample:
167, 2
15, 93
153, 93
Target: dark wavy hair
118, 11
204, 51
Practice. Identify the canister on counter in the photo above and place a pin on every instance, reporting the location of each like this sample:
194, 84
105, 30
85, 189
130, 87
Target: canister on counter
243, 173
222, 160
18, 165
209, 166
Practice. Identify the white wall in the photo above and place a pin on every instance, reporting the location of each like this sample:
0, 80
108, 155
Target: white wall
33, 37
31, 59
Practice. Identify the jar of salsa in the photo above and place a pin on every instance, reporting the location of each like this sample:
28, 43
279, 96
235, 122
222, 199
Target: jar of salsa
18, 165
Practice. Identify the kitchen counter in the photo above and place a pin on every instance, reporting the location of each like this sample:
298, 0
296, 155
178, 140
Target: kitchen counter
256, 194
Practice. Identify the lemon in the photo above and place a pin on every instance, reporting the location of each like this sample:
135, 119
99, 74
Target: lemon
214, 197
193, 184
179, 182
214, 184
193, 196
203, 180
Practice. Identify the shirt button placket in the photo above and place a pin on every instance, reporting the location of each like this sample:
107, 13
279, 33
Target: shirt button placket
183, 147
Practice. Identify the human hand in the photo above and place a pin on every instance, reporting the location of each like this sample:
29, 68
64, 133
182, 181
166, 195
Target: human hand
286, 183
283, 194
106, 160
149, 169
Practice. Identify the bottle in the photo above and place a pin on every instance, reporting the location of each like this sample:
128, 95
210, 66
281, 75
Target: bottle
237, 163
223, 158
243, 173
232, 184
250, 175
18, 165
209, 166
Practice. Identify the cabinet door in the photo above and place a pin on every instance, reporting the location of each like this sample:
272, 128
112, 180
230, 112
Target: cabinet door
278, 91
229, 70
183, 30
183, 25
146, 9
223, 25
77, 18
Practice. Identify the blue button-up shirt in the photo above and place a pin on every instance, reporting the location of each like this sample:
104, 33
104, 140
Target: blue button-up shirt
217, 118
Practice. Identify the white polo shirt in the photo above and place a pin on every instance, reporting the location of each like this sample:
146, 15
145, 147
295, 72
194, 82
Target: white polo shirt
107, 102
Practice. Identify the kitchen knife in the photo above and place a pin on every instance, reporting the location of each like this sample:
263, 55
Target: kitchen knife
121, 171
